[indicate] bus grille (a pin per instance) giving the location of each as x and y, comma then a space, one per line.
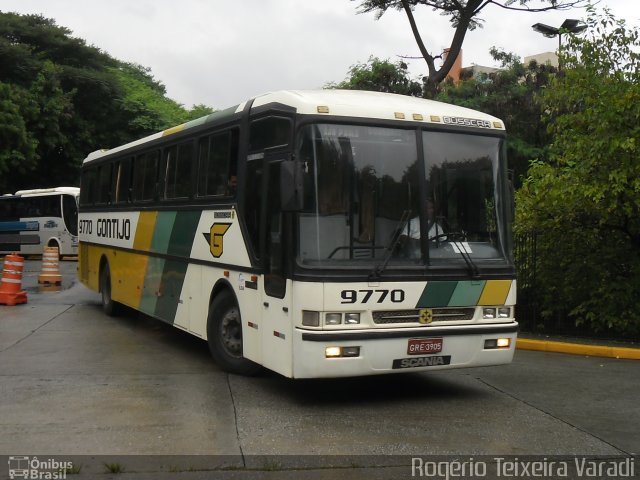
413, 316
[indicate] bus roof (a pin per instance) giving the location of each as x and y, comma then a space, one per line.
341, 103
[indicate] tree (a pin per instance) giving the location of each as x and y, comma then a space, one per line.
585, 203
464, 15
512, 93
18, 151
198, 111
145, 100
380, 76
61, 99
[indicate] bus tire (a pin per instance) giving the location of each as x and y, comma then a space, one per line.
224, 335
54, 243
109, 306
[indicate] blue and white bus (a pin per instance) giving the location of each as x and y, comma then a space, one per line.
45, 217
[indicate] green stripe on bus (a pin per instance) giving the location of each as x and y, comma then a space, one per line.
464, 293
173, 235
467, 293
163, 231
170, 288
184, 231
152, 283
436, 294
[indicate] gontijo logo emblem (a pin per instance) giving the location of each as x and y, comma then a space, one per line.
426, 316
215, 237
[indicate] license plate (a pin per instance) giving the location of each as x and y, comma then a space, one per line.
424, 346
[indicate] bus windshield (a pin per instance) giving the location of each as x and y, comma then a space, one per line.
368, 200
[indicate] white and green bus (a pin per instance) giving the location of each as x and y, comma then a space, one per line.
315, 233
31, 220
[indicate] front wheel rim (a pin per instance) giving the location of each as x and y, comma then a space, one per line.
231, 333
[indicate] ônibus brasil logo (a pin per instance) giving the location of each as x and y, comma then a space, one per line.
34, 468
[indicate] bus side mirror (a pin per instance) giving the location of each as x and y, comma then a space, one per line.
291, 186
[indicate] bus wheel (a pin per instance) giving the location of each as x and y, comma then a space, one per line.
109, 306
224, 335
53, 243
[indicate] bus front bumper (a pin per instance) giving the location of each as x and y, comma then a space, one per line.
323, 354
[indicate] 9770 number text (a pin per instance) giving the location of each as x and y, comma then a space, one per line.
363, 296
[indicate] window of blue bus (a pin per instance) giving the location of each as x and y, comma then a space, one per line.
9, 209
177, 166
70, 213
145, 176
42, 206
217, 164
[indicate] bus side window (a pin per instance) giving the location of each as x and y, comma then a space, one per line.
269, 132
178, 161
103, 192
122, 187
145, 176
217, 164
253, 202
170, 163
88, 186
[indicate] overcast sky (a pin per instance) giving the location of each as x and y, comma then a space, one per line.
220, 53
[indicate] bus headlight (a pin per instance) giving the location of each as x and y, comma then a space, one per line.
333, 319
310, 318
504, 312
494, 343
489, 313
341, 352
351, 318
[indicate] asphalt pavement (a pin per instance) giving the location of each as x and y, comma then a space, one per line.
134, 395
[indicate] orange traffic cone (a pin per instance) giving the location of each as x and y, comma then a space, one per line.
50, 269
11, 292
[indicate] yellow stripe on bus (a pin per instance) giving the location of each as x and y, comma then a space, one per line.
495, 292
131, 269
172, 130
144, 231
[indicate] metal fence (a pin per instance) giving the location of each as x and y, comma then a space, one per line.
530, 308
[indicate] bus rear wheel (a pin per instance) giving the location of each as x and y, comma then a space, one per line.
224, 335
109, 306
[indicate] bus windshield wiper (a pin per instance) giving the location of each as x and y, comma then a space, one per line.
377, 271
462, 250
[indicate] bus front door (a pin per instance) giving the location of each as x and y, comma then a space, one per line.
276, 291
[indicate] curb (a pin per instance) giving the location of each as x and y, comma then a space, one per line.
578, 349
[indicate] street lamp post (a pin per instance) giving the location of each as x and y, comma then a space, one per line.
570, 25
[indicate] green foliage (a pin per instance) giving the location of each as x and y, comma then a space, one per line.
198, 111
513, 95
380, 76
145, 101
18, 146
585, 203
61, 99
